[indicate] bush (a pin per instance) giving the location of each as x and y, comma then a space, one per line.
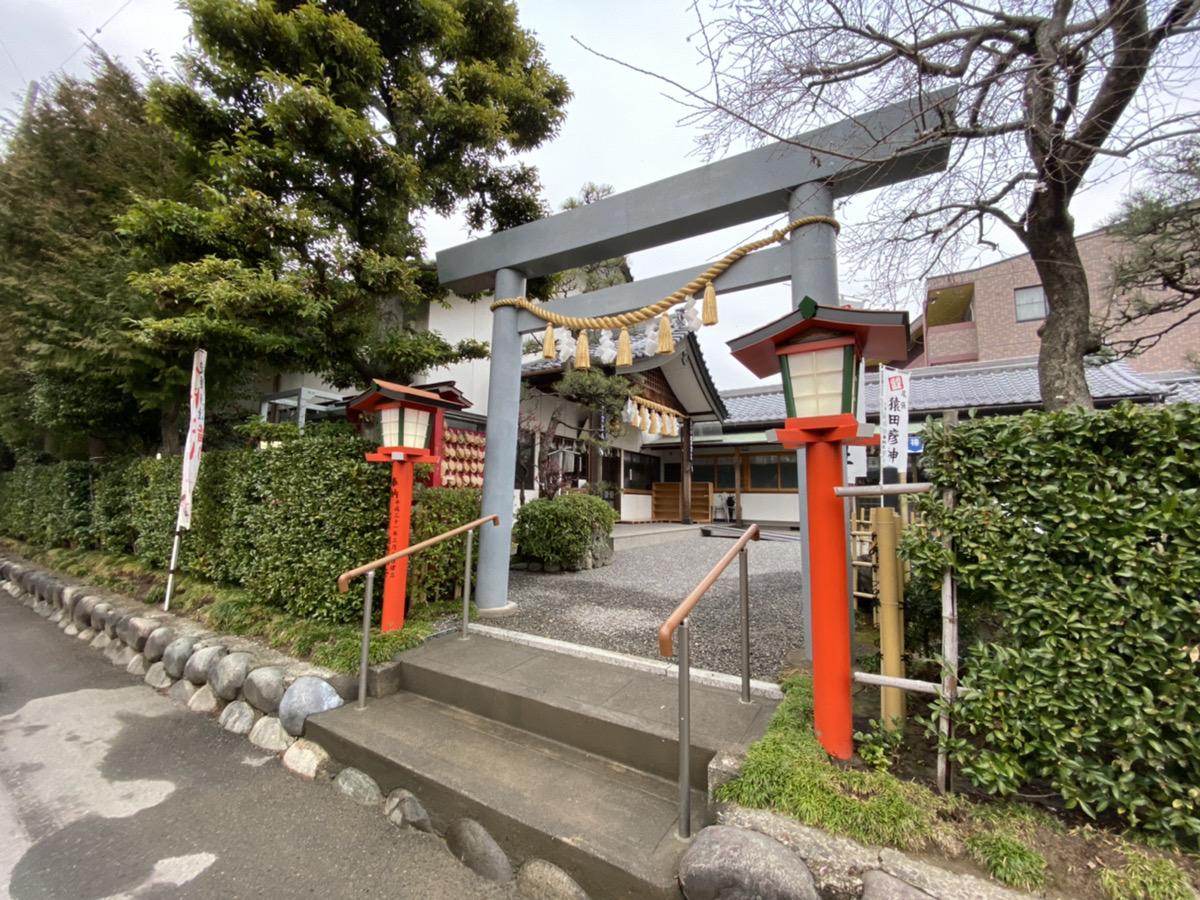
562, 530
437, 573
113, 487
324, 510
1079, 533
155, 508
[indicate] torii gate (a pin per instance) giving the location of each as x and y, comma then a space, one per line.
800, 177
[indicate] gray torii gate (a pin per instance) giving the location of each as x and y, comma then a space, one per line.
801, 177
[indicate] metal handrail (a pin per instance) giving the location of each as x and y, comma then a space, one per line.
369, 588
679, 620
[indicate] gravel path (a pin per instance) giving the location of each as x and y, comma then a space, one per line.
620, 607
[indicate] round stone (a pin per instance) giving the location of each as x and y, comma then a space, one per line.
157, 642
238, 717
403, 809
264, 688
123, 655
175, 657
135, 631
157, 677
99, 615
307, 696
229, 674
196, 670
137, 665
358, 786
724, 863
478, 851
82, 613
267, 734
307, 760
541, 880
87, 635
205, 701
101, 641
182, 691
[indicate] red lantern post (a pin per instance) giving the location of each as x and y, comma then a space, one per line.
410, 422
818, 350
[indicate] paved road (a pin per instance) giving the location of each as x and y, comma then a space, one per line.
109, 790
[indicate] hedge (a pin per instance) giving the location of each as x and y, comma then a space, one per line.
284, 522
561, 530
1078, 534
437, 573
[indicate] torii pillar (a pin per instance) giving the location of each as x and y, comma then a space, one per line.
804, 175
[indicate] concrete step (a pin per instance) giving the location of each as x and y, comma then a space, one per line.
631, 535
619, 713
613, 828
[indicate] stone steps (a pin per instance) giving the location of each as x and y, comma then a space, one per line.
562, 758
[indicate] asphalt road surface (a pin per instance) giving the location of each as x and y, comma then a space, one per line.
109, 790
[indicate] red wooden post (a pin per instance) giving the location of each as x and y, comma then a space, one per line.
439, 437
398, 532
832, 714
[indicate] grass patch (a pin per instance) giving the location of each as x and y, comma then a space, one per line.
234, 610
1146, 878
789, 771
1009, 859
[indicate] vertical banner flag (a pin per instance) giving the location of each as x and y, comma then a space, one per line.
893, 419
195, 438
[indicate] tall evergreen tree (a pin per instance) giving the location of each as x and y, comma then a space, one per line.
329, 130
68, 371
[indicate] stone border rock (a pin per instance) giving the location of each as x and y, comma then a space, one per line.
260, 694
840, 866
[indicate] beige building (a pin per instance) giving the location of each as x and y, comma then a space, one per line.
994, 312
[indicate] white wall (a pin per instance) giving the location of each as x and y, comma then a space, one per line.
771, 508
461, 321
635, 507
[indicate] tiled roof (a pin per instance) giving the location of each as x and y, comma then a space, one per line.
1184, 387
1008, 384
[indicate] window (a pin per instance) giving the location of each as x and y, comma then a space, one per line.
816, 381
771, 472
641, 470
716, 470
1030, 302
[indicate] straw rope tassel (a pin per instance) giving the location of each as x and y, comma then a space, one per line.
624, 350
653, 422
548, 343
583, 356
666, 340
708, 313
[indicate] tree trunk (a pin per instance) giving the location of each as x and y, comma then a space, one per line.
169, 423
97, 447
1066, 334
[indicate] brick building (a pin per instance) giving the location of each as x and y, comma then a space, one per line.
994, 312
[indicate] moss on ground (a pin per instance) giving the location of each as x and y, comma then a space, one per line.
234, 610
788, 771
1145, 877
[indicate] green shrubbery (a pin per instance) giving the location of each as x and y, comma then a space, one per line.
437, 573
562, 530
1077, 534
283, 521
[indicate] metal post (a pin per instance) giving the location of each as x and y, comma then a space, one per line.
805, 556
685, 732
467, 584
365, 659
744, 585
500, 456
949, 647
171, 571
814, 247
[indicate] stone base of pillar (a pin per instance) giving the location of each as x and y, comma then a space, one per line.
499, 612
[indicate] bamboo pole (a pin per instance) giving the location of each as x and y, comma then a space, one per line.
891, 634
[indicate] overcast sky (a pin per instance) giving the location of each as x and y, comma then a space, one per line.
619, 129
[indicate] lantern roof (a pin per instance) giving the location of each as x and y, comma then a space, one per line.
387, 393
880, 334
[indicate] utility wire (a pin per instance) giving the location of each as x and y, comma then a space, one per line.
91, 38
